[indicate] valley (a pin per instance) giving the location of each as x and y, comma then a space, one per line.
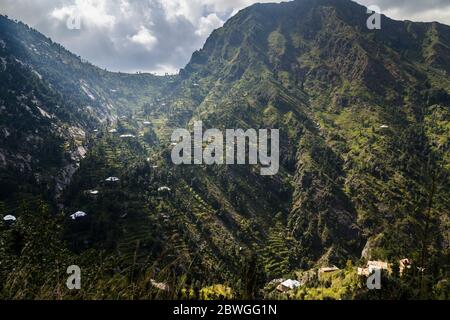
363, 119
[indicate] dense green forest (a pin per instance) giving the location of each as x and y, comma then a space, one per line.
364, 120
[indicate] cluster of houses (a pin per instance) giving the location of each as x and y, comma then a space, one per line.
10, 219
366, 271
371, 266
80, 214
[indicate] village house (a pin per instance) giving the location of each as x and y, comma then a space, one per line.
127, 136
372, 266
403, 265
160, 285
9, 218
377, 265
77, 215
327, 270
288, 285
363, 272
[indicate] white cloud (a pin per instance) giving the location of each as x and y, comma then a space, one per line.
162, 69
208, 24
414, 10
145, 38
91, 13
160, 35
429, 15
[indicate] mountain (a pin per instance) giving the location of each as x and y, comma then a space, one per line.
361, 112
364, 139
50, 98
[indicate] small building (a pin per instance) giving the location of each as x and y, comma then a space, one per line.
9, 218
113, 131
363, 272
164, 189
327, 270
147, 123
127, 136
377, 265
78, 215
112, 179
160, 285
94, 192
403, 265
288, 285
371, 266
384, 127
275, 282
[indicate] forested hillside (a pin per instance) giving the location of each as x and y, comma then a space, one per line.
364, 170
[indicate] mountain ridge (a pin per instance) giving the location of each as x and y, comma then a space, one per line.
363, 118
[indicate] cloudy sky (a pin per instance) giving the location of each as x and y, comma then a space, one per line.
159, 35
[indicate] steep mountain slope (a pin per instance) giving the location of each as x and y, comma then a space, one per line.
50, 98
364, 143
356, 109
364, 136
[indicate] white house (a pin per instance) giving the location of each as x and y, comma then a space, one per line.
9, 218
78, 214
288, 285
112, 179
363, 272
372, 266
377, 265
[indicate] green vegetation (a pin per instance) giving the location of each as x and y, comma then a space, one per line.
364, 155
